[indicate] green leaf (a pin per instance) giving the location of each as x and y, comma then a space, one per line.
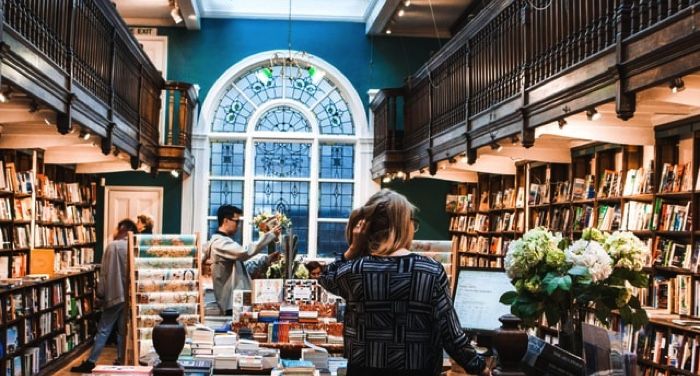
552, 313
578, 270
508, 298
634, 303
565, 282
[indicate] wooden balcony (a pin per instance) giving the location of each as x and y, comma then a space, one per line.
181, 109
77, 59
514, 68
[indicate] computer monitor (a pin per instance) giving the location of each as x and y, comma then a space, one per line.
476, 299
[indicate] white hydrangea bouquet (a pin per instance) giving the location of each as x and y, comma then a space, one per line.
558, 279
265, 221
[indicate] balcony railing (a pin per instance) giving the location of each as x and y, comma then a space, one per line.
80, 58
512, 49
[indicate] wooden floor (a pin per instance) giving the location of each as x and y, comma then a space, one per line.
109, 354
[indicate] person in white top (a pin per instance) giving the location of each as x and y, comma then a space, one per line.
229, 259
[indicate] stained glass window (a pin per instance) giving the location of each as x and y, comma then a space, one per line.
337, 161
288, 197
283, 119
335, 200
233, 113
334, 116
224, 192
261, 84
306, 88
227, 158
279, 169
331, 239
282, 159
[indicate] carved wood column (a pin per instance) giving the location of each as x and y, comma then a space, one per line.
625, 103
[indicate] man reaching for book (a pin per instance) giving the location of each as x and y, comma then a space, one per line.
229, 259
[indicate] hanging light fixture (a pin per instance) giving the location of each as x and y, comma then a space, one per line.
316, 74
175, 173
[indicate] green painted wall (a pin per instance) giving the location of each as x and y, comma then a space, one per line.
172, 199
428, 195
368, 62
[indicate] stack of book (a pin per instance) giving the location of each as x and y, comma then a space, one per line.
297, 368
316, 336
287, 313
296, 336
202, 341
308, 316
317, 356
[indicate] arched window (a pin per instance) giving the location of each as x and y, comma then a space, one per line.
284, 137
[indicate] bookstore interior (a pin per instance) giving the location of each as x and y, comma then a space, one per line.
182, 180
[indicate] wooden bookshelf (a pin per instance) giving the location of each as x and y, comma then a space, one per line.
47, 321
43, 206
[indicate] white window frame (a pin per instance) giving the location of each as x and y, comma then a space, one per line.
363, 186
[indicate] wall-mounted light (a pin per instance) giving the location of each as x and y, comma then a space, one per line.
593, 115
388, 31
407, 3
561, 122
401, 175
386, 179
175, 14
677, 85
401, 12
175, 173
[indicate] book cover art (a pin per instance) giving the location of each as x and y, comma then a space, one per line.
267, 291
165, 240
11, 339
300, 290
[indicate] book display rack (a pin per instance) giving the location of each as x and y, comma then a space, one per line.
164, 273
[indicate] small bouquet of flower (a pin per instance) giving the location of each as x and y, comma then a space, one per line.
265, 221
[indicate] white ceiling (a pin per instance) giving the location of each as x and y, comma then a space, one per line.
320, 10
379, 15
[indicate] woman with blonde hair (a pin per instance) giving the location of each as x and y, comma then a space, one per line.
399, 313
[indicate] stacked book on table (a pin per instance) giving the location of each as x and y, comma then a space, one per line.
297, 368
202, 342
225, 357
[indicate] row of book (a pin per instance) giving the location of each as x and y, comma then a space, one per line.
494, 245
73, 193
13, 181
674, 253
13, 266
672, 294
471, 260
678, 350
472, 223
676, 178
50, 212
460, 203
52, 236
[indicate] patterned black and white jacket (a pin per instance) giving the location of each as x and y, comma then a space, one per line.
399, 316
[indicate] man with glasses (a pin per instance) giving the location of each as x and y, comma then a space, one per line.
229, 258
